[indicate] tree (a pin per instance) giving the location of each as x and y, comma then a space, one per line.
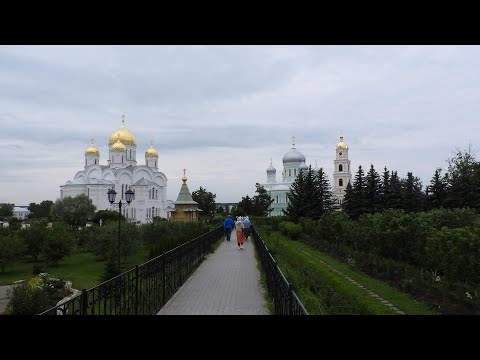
75, 211
437, 191
385, 188
206, 202
261, 201
413, 197
11, 248
305, 197
463, 181
356, 197
107, 215
245, 206
373, 191
325, 203
58, 243
40, 211
34, 239
6, 210
394, 200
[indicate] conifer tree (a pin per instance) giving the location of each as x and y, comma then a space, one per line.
324, 193
373, 201
386, 188
394, 199
437, 191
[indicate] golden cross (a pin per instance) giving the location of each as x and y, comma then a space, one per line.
270, 161
123, 118
151, 142
92, 140
184, 172
293, 142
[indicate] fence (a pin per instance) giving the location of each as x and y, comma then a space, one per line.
280, 290
145, 289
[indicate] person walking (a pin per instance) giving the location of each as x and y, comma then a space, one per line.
228, 226
246, 227
239, 233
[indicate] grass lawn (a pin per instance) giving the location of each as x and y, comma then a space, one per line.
83, 269
323, 291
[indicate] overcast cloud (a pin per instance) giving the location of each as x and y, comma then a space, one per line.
222, 112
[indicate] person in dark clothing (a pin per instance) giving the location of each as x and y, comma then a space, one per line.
228, 225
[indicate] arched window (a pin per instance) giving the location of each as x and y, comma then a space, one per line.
85, 162
340, 182
130, 154
122, 191
156, 194
155, 163
294, 172
289, 172
277, 199
122, 158
340, 167
95, 161
149, 194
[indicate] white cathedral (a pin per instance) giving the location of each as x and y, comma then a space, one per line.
122, 173
293, 164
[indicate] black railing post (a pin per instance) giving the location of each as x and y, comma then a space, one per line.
163, 281
84, 302
136, 290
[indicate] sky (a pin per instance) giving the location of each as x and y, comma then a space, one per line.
222, 112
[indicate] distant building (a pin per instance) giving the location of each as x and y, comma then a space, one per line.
293, 164
21, 212
186, 209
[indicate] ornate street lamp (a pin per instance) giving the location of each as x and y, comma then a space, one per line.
129, 196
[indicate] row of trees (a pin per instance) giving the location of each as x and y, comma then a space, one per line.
459, 187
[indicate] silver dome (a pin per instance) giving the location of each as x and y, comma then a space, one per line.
271, 169
293, 156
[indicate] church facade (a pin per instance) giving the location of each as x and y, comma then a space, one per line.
293, 164
122, 173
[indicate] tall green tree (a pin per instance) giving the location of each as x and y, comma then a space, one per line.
6, 210
356, 201
40, 211
325, 203
438, 190
394, 200
206, 202
11, 248
463, 180
59, 243
75, 211
261, 201
413, 197
305, 197
245, 206
385, 188
34, 239
373, 191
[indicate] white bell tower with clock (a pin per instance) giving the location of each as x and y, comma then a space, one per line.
341, 173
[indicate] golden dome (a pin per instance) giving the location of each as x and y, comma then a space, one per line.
151, 152
92, 150
126, 137
118, 146
341, 144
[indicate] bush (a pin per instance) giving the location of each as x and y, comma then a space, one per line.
36, 295
293, 231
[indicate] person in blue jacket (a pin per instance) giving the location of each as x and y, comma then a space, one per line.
228, 226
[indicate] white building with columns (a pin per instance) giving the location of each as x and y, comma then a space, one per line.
122, 173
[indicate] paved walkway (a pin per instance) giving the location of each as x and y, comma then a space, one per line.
226, 283
3, 298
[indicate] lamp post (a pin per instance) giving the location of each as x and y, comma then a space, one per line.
129, 196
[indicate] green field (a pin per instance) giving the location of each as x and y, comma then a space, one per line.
324, 291
82, 268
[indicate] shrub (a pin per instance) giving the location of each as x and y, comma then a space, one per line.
293, 231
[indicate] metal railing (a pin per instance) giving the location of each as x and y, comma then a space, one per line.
280, 290
145, 289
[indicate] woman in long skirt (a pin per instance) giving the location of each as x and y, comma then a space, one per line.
240, 235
